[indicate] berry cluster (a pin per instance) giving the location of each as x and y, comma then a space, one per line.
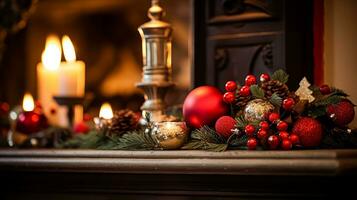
271, 134
244, 91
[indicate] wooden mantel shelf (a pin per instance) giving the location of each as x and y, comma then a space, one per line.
177, 175
307, 162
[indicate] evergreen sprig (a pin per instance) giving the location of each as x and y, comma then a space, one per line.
241, 122
280, 75
134, 140
206, 138
275, 99
257, 92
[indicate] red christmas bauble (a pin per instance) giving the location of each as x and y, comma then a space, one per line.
228, 97
231, 86
224, 126
244, 91
250, 80
81, 127
203, 106
309, 131
252, 143
31, 122
342, 113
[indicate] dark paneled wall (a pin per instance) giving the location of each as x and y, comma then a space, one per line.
235, 37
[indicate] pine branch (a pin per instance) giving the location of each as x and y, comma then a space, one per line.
338, 92
331, 99
257, 91
86, 141
280, 75
202, 145
241, 122
275, 99
135, 140
208, 135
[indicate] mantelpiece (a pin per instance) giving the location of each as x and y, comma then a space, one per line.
91, 174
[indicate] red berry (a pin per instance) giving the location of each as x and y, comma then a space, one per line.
262, 134
264, 125
264, 77
286, 144
273, 142
294, 139
282, 126
81, 127
274, 117
244, 91
250, 80
87, 117
231, 86
249, 130
288, 103
284, 135
325, 89
252, 143
228, 97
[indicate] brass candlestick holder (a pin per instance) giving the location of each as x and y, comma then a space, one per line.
70, 103
156, 49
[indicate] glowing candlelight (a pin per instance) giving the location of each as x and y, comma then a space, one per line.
106, 111
28, 103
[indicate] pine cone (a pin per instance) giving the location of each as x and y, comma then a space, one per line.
242, 101
274, 86
123, 121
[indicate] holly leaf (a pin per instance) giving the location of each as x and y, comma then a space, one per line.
276, 100
257, 91
280, 75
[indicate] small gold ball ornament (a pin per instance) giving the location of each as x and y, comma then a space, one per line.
257, 110
170, 135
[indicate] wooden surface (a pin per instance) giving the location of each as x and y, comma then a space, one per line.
176, 175
311, 162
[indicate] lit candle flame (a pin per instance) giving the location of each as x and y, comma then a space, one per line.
106, 111
68, 49
28, 103
51, 56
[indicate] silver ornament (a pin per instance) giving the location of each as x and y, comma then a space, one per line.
257, 110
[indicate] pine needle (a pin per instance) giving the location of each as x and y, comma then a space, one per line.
257, 92
280, 75
275, 99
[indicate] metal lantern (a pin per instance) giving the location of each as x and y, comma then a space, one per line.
156, 49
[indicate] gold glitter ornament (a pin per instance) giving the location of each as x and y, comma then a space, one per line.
170, 135
304, 92
258, 110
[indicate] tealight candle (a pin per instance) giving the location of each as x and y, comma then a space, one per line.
30, 121
105, 116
